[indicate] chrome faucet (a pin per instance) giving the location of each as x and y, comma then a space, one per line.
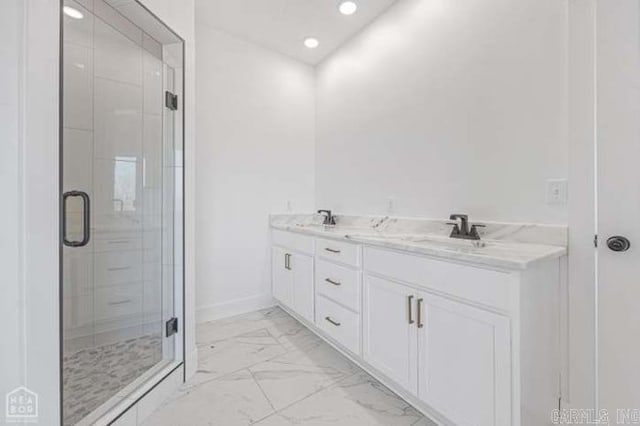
329, 219
461, 230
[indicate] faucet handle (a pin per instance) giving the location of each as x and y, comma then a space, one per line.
456, 228
473, 232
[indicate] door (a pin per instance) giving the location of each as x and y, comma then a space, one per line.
282, 280
302, 286
121, 207
464, 362
390, 332
618, 194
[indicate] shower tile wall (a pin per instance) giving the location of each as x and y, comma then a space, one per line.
113, 150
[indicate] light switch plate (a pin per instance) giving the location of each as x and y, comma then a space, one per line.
556, 191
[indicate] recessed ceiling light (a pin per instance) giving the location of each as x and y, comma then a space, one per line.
311, 42
348, 7
72, 13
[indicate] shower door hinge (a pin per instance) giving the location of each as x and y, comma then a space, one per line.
172, 326
171, 100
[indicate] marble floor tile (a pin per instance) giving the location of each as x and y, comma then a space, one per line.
293, 376
221, 357
359, 400
266, 367
232, 400
274, 312
293, 335
230, 327
424, 422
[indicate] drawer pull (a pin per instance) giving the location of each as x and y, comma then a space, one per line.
119, 242
330, 281
337, 324
119, 268
420, 324
409, 308
330, 250
121, 302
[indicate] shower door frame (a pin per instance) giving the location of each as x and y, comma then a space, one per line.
182, 306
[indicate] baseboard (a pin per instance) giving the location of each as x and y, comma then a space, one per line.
233, 307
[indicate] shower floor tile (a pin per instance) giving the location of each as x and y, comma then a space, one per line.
91, 376
265, 368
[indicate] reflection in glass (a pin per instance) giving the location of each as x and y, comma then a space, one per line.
124, 184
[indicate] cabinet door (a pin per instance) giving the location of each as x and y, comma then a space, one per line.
464, 362
302, 270
390, 333
281, 277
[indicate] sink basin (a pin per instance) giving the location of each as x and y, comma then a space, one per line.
443, 242
449, 242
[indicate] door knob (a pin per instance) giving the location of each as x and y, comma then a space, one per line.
618, 243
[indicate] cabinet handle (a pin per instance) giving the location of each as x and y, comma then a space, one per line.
409, 308
337, 324
287, 260
330, 281
420, 324
331, 250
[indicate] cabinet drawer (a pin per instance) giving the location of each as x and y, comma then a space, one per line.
338, 251
340, 283
339, 323
293, 241
479, 285
118, 267
118, 241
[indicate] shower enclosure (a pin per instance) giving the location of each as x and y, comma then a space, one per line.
121, 203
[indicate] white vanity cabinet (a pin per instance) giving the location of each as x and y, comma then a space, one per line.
451, 355
478, 346
469, 345
338, 292
292, 273
464, 361
390, 334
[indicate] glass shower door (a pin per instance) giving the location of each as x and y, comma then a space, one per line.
121, 206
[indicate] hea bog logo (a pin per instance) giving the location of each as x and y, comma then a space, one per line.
22, 405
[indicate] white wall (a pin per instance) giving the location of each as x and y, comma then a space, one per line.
255, 112
29, 183
11, 306
447, 106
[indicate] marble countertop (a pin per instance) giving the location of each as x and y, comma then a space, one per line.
502, 246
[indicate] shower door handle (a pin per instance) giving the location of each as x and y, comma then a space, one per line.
86, 217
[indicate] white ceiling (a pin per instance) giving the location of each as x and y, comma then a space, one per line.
282, 25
